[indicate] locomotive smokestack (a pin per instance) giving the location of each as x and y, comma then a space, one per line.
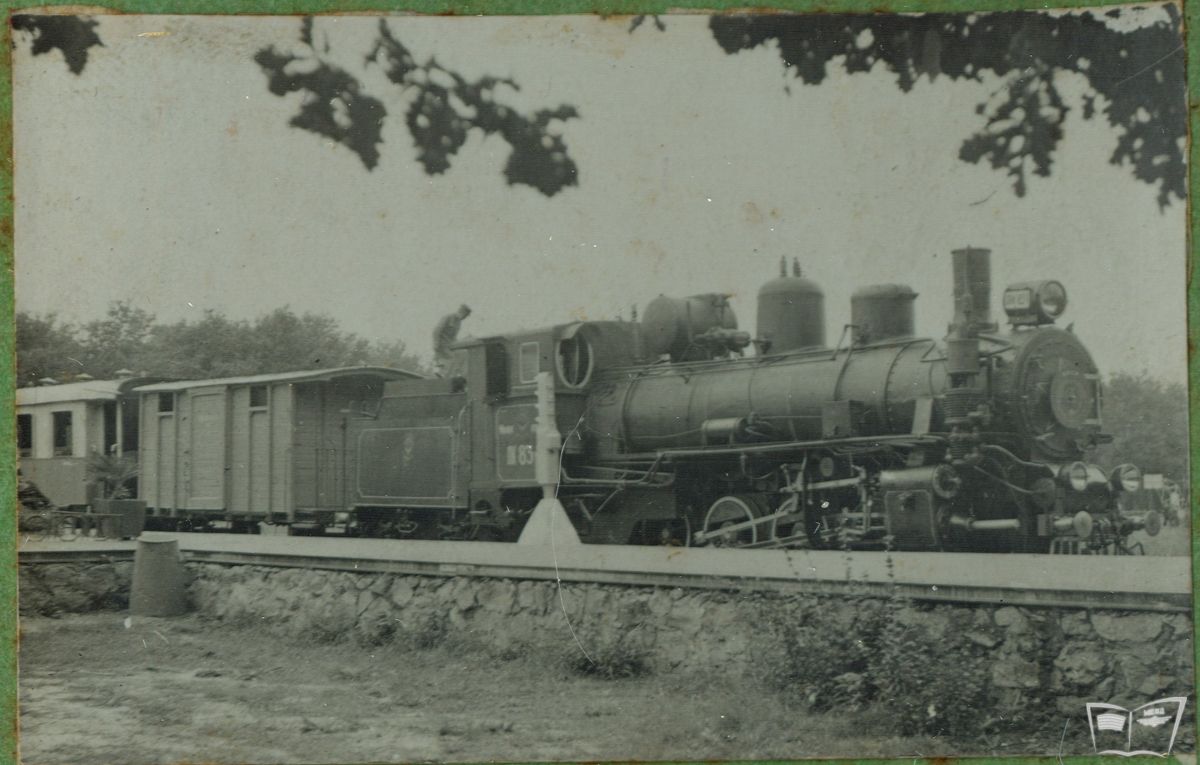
962, 402
972, 289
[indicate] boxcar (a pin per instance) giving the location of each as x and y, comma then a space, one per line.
60, 426
241, 451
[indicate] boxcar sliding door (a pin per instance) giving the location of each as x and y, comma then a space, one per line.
206, 489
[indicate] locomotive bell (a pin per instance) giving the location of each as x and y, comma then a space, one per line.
791, 312
882, 312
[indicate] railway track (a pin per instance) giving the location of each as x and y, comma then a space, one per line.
1141, 583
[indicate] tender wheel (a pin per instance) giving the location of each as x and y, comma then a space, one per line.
730, 511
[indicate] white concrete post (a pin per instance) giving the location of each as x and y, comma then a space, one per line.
548, 441
548, 523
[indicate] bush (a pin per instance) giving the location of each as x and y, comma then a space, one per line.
937, 687
327, 625
826, 655
430, 630
376, 631
611, 654
874, 655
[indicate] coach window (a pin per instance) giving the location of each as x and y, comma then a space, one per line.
166, 403
258, 397
530, 362
63, 440
25, 435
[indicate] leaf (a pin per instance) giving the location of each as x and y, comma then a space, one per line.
539, 158
334, 105
73, 35
436, 128
446, 107
400, 62
1022, 130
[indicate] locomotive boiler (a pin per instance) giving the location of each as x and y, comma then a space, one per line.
684, 429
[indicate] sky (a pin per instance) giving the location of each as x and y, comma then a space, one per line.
167, 175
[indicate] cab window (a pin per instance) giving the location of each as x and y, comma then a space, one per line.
530, 362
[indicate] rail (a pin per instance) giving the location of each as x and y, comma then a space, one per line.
1135, 583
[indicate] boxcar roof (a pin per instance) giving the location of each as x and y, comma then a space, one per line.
89, 390
311, 375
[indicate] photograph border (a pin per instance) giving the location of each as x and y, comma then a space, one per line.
8, 488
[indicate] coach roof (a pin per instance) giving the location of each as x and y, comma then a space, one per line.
312, 375
89, 390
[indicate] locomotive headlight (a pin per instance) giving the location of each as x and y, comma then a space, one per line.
1075, 475
1052, 299
1035, 302
1126, 478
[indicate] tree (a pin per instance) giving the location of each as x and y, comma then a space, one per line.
1136, 77
395, 354
284, 341
1148, 420
444, 108
213, 346
46, 348
118, 341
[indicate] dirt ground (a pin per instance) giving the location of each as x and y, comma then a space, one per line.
171, 690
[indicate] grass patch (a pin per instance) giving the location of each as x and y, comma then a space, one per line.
609, 654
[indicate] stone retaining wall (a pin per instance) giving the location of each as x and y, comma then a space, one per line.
1068, 656
49, 589
1074, 655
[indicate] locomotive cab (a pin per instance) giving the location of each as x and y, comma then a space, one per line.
454, 458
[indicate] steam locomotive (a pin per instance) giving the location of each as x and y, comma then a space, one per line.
668, 430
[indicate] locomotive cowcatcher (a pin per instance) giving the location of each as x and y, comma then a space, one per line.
682, 429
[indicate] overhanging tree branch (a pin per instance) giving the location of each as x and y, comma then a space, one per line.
1139, 73
445, 107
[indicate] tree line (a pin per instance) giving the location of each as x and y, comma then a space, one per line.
1148, 420
130, 338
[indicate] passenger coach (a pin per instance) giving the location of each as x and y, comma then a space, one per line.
60, 425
